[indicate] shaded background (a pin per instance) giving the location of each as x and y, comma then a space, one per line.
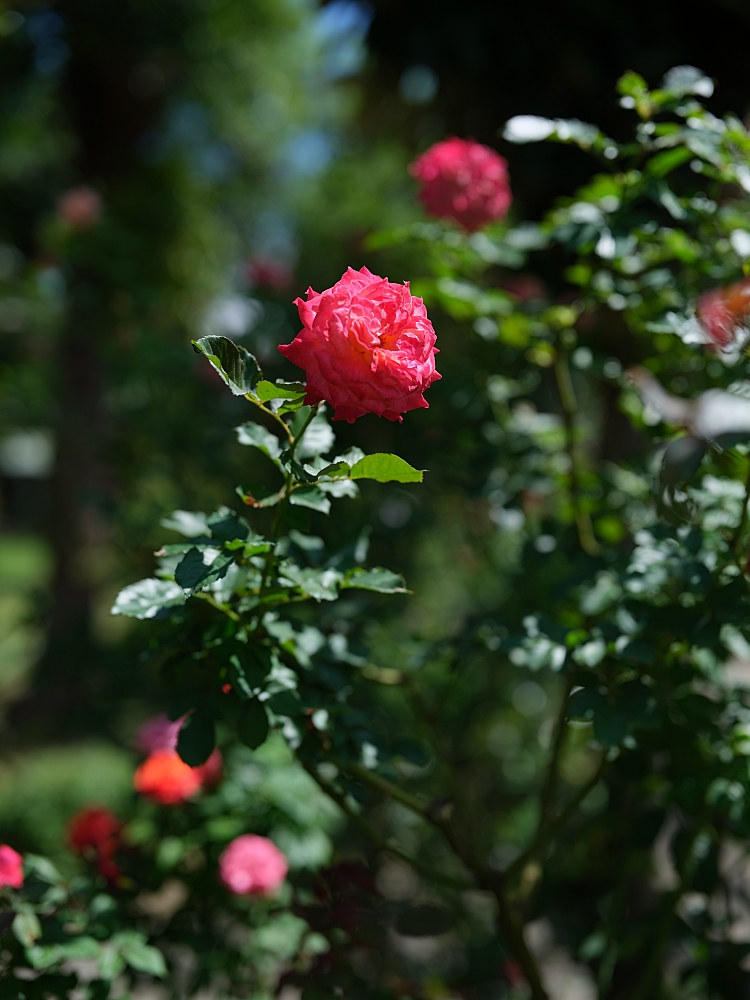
241, 151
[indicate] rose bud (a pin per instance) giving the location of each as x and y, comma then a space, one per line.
463, 180
367, 347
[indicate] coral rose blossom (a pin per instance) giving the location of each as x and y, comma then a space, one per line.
463, 180
166, 778
367, 347
11, 867
252, 865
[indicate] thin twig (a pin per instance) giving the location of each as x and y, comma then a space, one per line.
509, 926
270, 413
545, 835
380, 842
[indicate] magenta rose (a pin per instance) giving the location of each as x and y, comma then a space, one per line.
463, 180
11, 867
367, 347
252, 865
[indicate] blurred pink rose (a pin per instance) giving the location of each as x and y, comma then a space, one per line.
80, 207
11, 867
158, 733
463, 180
252, 865
367, 347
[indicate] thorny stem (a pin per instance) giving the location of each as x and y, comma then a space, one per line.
509, 926
569, 404
301, 432
290, 483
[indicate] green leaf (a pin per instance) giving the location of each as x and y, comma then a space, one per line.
147, 597
26, 928
145, 958
249, 666
384, 468
384, 581
44, 956
81, 947
42, 868
236, 365
279, 390
111, 962
252, 726
318, 439
320, 584
197, 739
259, 437
226, 526
193, 572
191, 523
285, 703
311, 497
665, 162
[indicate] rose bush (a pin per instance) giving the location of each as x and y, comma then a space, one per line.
367, 346
463, 180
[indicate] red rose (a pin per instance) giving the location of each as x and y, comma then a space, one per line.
463, 180
166, 778
367, 347
94, 833
94, 828
723, 312
11, 867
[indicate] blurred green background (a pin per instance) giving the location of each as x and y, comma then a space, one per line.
183, 167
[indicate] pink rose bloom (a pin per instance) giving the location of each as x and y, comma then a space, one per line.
11, 867
463, 180
252, 865
158, 733
367, 347
80, 207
